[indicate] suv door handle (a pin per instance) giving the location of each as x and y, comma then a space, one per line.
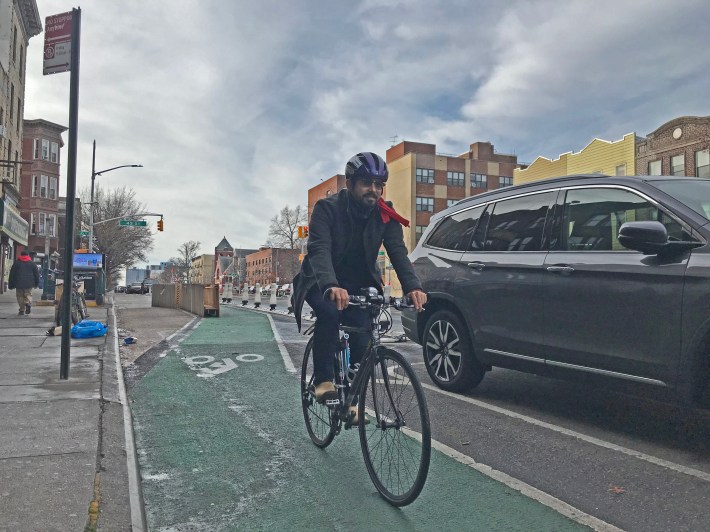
476, 265
564, 270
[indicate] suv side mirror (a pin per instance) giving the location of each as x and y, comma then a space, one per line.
651, 238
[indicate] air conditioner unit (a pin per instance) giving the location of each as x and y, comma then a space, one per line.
3, 131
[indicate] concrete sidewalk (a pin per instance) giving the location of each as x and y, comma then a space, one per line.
62, 442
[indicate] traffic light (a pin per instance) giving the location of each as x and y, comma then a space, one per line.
302, 231
160, 224
305, 231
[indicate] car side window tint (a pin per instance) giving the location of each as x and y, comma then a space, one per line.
592, 218
517, 224
455, 231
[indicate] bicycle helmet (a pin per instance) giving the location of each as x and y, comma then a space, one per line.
367, 165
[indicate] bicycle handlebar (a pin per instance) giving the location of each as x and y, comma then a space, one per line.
379, 301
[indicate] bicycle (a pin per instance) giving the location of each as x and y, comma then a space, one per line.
79, 310
396, 442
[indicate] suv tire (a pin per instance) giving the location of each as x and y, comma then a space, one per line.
448, 353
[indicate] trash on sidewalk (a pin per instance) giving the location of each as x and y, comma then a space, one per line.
130, 340
88, 329
55, 331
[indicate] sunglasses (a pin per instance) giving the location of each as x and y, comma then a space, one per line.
367, 183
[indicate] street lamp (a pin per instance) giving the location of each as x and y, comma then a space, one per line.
94, 173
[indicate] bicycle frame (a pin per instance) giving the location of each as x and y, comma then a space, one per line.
349, 392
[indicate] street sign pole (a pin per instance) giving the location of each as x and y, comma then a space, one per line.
71, 191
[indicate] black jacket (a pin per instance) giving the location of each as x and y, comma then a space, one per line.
23, 274
329, 235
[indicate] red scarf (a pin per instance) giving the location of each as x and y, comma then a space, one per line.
387, 212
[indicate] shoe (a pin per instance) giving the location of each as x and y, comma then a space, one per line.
355, 419
21, 313
325, 390
28, 309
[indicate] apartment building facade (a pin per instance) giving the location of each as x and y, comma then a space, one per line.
272, 265
330, 186
202, 270
40, 182
19, 22
679, 147
423, 182
598, 157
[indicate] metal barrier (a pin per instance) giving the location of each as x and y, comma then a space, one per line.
199, 299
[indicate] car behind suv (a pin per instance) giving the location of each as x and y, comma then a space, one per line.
581, 276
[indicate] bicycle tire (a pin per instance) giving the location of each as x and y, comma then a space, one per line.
318, 417
396, 443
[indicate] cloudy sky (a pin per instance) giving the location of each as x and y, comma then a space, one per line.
235, 109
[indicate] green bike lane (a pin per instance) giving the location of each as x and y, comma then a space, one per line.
225, 448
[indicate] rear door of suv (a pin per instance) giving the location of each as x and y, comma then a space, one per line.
500, 281
608, 309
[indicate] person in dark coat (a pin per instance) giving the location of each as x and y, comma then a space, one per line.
346, 232
24, 276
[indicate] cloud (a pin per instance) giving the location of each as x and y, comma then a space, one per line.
236, 109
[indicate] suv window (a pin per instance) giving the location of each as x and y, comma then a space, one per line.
517, 224
455, 231
592, 218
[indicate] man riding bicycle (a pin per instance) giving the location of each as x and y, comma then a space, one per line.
346, 232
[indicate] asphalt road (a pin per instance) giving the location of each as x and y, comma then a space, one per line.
630, 461
634, 462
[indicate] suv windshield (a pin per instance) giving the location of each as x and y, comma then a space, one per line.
695, 193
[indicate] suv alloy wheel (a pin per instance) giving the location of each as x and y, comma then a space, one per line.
448, 353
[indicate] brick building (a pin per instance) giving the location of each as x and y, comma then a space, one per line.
19, 22
40, 184
327, 188
272, 265
423, 182
678, 147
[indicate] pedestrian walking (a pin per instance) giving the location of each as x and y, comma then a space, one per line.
24, 276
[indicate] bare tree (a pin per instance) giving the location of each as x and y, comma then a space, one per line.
283, 233
123, 246
183, 262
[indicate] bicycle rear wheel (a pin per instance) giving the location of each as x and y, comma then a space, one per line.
318, 417
396, 443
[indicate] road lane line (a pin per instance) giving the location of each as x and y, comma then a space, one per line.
540, 496
135, 496
282, 348
568, 432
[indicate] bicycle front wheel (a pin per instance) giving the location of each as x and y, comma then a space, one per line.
319, 418
396, 443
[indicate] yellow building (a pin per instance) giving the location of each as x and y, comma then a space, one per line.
599, 156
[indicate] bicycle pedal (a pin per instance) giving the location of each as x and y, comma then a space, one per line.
332, 402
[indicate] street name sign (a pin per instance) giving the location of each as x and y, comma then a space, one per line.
83, 233
57, 43
133, 223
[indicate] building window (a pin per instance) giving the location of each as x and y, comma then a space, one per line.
425, 204
479, 181
45, 149
454, 179
450, 202
678, 164
504, 181
35, 148
12, 99
54, 152
35, 183
702, 163
425, 175
19, 114
51, 225
53, 188
419, 231
654, 168
621, 169
14, 44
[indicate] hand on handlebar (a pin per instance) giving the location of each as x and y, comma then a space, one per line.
418, 299
339, 296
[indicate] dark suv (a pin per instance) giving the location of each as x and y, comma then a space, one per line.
577, 276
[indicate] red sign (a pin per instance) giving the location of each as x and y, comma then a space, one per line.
57, 43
